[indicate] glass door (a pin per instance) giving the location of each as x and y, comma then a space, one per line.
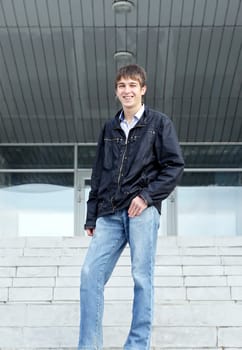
81, 196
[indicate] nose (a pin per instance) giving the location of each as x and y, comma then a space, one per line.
127, 88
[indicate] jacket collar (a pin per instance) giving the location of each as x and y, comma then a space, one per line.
141, 122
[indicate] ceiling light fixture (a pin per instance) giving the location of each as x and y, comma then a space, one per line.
123, 56
122, 6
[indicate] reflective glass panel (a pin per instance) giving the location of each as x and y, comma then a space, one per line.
36, 204
86, 156
212, 208
213, 156
36, 157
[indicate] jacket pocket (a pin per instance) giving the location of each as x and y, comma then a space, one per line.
109, 145
149, 144
108, 158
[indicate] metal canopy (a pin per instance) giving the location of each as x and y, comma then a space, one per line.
57, 67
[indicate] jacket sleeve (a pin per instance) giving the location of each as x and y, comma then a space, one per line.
170, 164
95, 180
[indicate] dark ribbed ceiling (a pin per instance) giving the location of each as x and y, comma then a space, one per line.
57, 67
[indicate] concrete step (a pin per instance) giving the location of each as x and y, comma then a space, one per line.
118, 314
198, 294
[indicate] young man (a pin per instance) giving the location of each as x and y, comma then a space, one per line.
138, 164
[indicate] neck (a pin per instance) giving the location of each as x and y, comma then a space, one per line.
130, 112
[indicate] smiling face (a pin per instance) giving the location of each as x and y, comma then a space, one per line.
129, 92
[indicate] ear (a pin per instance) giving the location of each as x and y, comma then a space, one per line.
143, 90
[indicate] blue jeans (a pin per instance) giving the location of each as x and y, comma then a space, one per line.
112, 234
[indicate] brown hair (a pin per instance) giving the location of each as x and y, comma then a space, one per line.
131, 71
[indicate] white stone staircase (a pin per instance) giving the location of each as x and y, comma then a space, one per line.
198, 294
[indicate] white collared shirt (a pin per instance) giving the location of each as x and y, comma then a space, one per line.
128, 126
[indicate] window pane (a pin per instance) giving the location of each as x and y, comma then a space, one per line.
212, 156
36, 157
36, 204
211, 179
214, 209
86, 156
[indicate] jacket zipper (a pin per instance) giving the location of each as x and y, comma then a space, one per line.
122, 162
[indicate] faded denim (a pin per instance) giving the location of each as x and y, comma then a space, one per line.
112, 234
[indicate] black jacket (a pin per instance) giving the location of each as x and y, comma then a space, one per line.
149, 163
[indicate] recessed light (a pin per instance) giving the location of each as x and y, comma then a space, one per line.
121, 6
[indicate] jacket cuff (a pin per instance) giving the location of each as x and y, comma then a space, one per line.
146, 197
89, 225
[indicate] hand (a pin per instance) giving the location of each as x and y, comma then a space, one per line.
90, 231
136, 207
